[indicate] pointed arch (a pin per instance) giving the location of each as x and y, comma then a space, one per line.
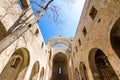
42, 74
115, 37
60, 67
18, 63
35, 71
100, 66
83, 71
77, 77
60, 40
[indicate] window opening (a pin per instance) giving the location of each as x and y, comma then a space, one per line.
93, 12
84, 31
60, 70
15, 62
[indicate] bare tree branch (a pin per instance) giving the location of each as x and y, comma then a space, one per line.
45, 8
37, 4
55, 14
19, 21
23, 24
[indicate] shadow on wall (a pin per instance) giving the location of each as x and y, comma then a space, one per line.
3, 32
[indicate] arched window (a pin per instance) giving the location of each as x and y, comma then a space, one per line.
115, 37
42, 74
18, 63
83, 71
35, 71
15, 63
77, 77
100, 66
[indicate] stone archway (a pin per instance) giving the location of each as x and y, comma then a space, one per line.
60, 68
77, 77
3, 32
59, 40
83, 71
18, 63
115, 37
35, 71
100, 66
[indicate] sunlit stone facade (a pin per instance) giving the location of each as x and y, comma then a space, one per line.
92, 54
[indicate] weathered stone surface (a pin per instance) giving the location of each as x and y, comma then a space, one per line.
96, 43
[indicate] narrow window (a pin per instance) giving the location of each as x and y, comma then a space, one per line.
60, 70
93, 13
23, 4
50, 54
84, 31
74, 54
42, 45
15, 62
79, 42
76, 49
36, 32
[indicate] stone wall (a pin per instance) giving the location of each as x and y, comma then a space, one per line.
31, 41
94, 32
95, 45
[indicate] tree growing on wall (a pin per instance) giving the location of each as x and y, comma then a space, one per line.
23, 23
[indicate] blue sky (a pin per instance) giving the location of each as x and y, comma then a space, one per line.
69, 13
